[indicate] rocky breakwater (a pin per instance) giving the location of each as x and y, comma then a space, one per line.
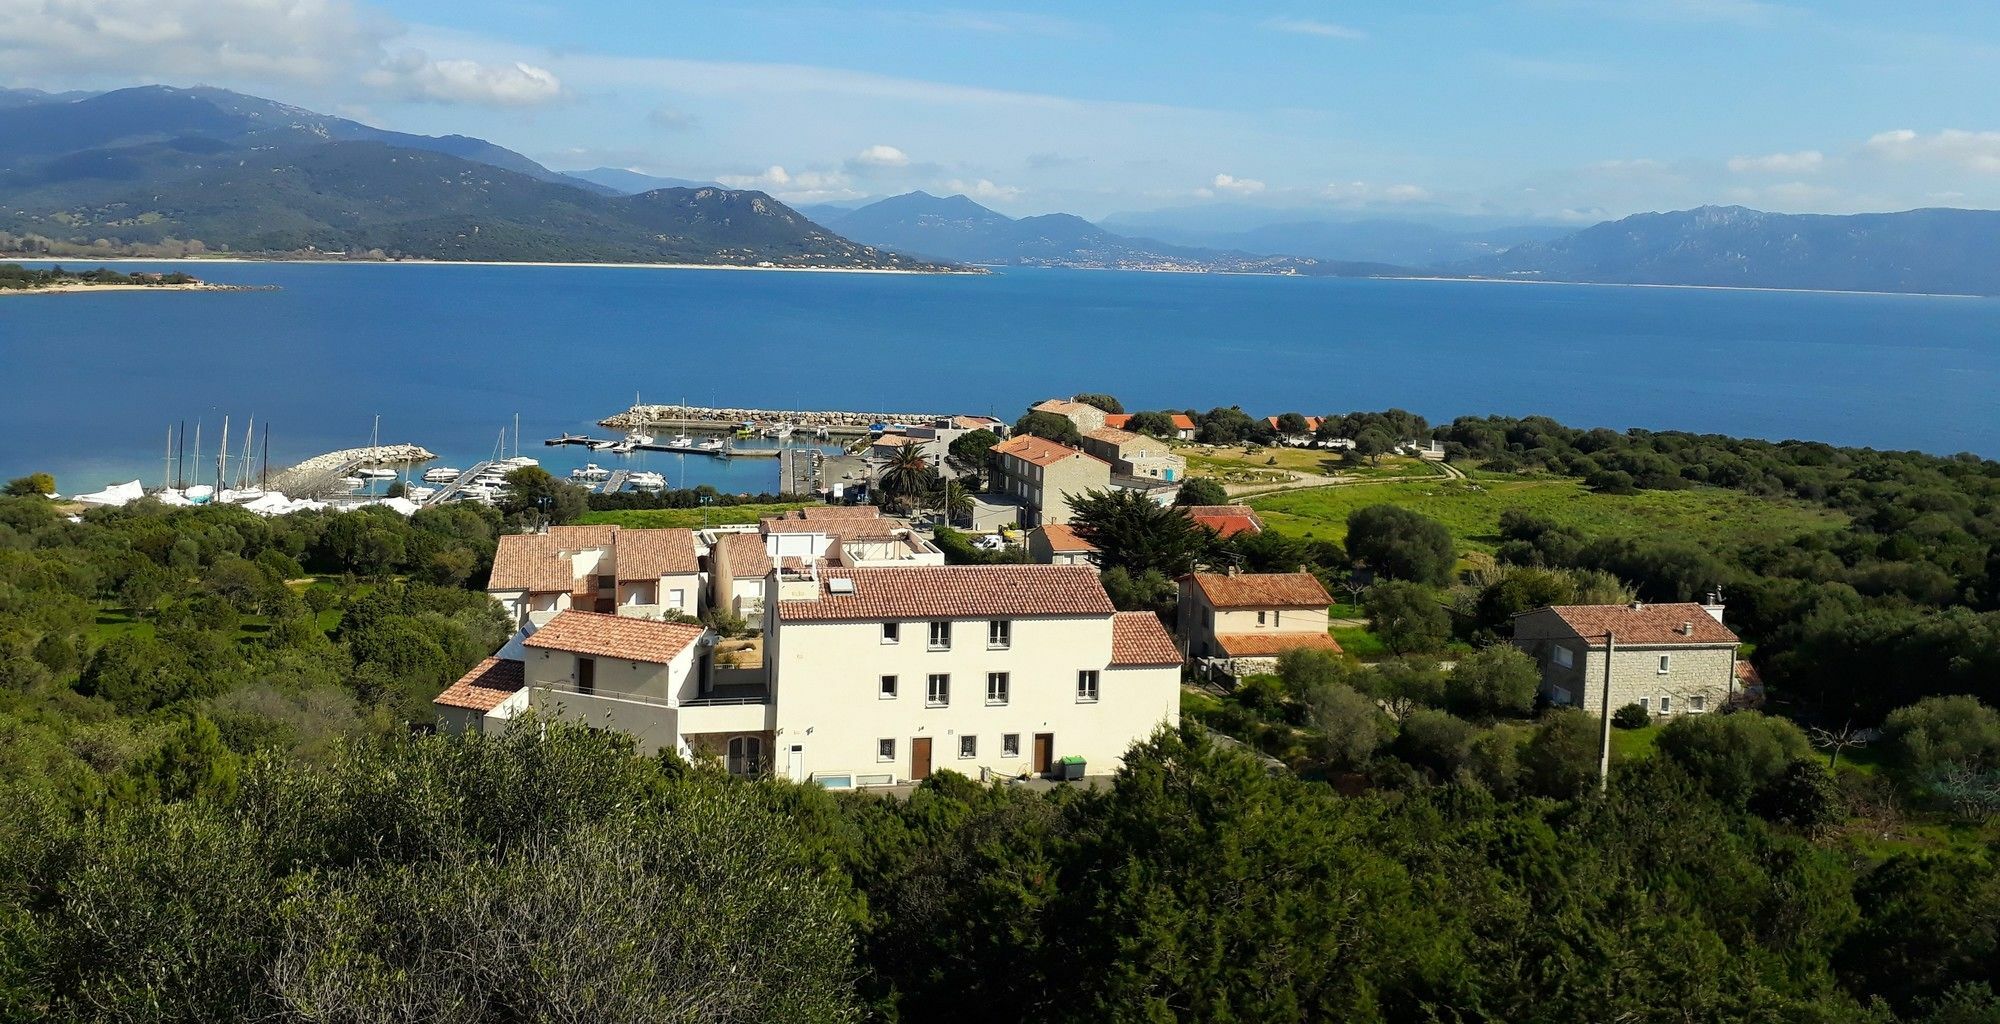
646, 415
318, 472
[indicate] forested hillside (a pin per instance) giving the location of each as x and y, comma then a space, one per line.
213, 805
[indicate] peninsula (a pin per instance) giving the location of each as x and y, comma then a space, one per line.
16, 279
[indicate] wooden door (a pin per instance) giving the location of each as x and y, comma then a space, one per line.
920, 758
1045, 751
586, 675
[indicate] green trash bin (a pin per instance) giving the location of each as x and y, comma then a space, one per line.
1070, 768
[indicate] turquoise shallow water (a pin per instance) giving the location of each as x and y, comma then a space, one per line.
448, 354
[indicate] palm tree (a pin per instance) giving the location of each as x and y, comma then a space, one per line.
956, 502
906, 473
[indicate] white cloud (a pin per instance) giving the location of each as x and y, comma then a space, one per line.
1312, 27
1805, 161
1238, 186
1368, 192
790, 186
1979, 151
413, 75
257, 41
882, 156
982, 189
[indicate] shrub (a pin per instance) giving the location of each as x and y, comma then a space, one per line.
1499, 680
1940, 737
1632, 716
1805, 796
1560, 759
1732, 756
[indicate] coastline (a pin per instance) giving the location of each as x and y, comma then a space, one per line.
74, 289
1697, 287
38, 258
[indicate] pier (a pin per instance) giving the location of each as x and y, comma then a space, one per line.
695, 417
319, 476
452, 490
594, 442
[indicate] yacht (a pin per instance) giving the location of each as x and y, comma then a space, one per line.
415, 493
598, 446
646, 480
440, 475
517, 462
710, 444
348, 483
590, 471
375, 473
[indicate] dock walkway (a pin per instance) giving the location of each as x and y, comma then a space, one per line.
450, 491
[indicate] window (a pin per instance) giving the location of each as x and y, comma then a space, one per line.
938, 693
1664, 659
746, 756
891, 632
1563, 657
968, 746
940, 636
999, 634
1260, 617
1645, 703
607, 582
1277, 617
1086, 686
1010, 745
677, 597
1666, 705
996, 687
1697, 703
888, 687
885, 750
586, 675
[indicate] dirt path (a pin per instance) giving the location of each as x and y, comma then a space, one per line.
1310, 481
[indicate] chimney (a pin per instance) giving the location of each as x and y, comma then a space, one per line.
1687, 629
1638, 606
1713, 606
1233, 570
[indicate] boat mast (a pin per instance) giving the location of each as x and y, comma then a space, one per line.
517, 435
197, 451
243, 464
167, 468
222, 457
180, 458
265, 483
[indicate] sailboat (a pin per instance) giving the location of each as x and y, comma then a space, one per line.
375, 472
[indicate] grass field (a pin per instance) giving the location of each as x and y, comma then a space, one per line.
1472, 510
687, 518
1225, 461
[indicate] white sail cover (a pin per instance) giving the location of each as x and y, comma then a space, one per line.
114, 495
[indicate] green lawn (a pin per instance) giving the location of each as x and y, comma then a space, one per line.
1471, 510
688, 518
1634, 744
1359, 642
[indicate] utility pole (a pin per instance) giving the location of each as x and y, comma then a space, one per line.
1604, 720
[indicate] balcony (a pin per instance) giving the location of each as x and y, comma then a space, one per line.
729, 708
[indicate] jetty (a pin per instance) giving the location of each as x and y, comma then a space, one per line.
320, 475
452, 491
696, 417
605, 443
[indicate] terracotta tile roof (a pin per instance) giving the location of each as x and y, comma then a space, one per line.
1263, 590
1226, 520
574, 538
1268, 645
1218, 510
817, 512
895, 441
651, 554
1113, 435
615, 636
954, 592
1117, 419
1040, 451
975, 422
1645, 624
1182, 421
484, 688
1064, 540
1137, 638
1062, 406
748, 558
1748, 675
530, 562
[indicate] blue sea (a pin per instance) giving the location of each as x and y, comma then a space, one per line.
448, 354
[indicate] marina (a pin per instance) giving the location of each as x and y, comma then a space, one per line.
717, 447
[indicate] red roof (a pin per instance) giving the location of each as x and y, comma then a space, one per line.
1138, 638
953, 592
1265, 645
1040, 451
1227, 520
1649, 624
531, 562
1062, 539
1117, 420
615, 636
1182, 421
748, 558
539, 563
484, 688
651, 554
1262, 590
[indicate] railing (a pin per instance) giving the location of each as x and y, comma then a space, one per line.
617, 695
719, 702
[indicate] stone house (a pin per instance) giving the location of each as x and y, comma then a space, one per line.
1239, 623
1670, 659
1135, 455
1045, 476
631, 572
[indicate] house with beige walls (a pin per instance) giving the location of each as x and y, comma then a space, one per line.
1239, 623
1046, 476
1059, 545
1135, 455
844, 535
1086, 417
872, 676
1671, 659
610, 569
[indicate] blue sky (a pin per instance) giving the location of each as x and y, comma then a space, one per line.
1535, 109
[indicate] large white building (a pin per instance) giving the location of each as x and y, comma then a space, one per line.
874, 676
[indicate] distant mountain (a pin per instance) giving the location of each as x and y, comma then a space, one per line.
1937, 250
630, 183
1407, 242
956, 228
159, 171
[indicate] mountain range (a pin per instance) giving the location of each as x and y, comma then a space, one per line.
957, 229
162, 171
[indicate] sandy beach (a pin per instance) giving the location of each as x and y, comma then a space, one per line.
70, 289
107, 260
